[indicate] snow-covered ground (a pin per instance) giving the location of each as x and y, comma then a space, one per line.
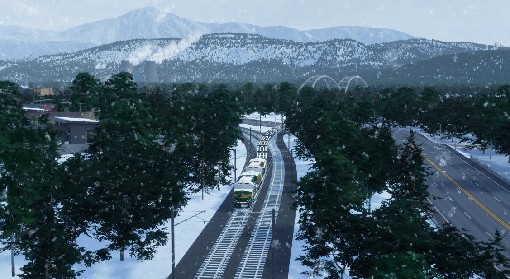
302, 167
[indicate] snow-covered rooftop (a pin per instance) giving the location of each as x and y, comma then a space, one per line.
75, 119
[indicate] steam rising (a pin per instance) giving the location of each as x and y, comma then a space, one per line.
158, 54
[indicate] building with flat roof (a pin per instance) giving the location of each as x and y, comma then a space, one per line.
75, 130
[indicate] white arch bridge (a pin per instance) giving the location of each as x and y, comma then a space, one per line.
342, 84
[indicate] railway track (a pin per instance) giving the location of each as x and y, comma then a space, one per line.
255, 254
217, 260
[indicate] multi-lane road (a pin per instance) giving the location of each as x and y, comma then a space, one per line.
463, 193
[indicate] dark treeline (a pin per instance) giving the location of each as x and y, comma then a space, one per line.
477, 115
481, 118
156, 144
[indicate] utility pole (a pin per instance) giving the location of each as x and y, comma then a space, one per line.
249, 143
173, 242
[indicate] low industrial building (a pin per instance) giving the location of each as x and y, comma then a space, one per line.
75, 130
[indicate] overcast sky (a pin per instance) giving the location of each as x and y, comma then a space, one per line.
483, 21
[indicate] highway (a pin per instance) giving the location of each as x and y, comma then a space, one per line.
464, 194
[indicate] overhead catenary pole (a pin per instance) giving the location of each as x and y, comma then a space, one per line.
260, 123
272, 241
292, 166
288, 142
291, 160
173, 241
13, 270
202, 167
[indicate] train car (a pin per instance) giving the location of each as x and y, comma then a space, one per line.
248, 184
260, 161
255, 166
244, 191
246, 187
255, 176
262, 149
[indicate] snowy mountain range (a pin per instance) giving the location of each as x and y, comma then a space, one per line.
248, 57
182, 50
150, 23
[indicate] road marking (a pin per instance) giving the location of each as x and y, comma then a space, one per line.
470, 196
467, 215
437, 210
465, 161
496, 199
489, 234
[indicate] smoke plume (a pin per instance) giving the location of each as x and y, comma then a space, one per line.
158, 54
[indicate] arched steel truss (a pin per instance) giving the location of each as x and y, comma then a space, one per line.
343, 84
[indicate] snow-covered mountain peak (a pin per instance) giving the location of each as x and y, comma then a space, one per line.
152, 23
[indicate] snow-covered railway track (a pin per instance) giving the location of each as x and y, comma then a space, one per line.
255, 254
217, 260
